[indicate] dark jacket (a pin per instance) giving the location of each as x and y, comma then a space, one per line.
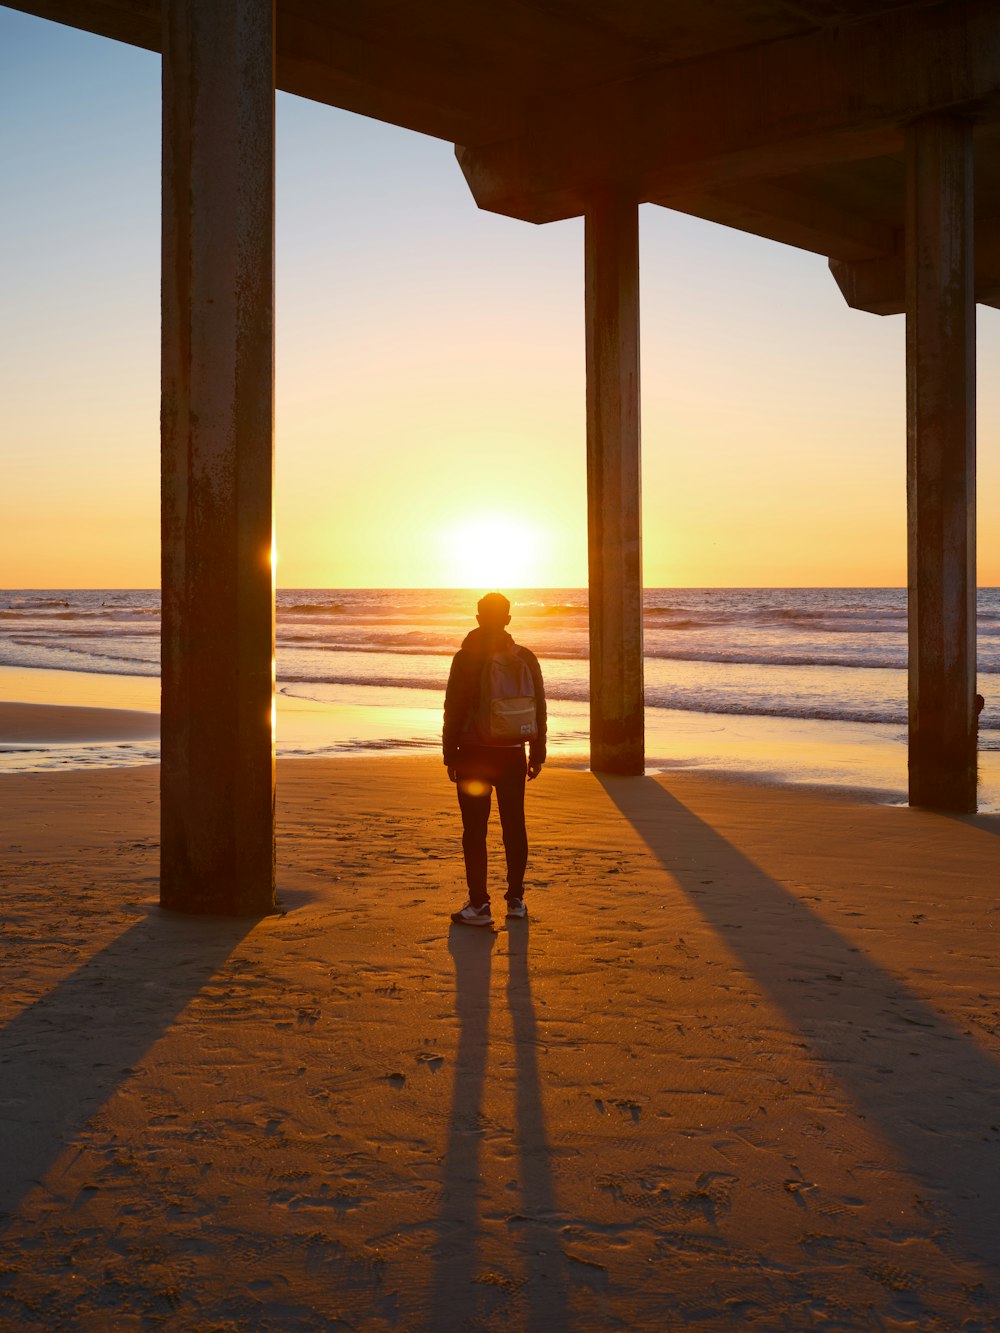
462, 696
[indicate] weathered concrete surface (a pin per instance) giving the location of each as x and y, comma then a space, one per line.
878, 285
940, 415
217, 786
472, 71
781, 109
614, 509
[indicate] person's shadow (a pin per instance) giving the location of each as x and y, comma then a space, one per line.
455, 1295
926, 1086
537, 1242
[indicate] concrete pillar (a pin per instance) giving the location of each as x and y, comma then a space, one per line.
217, 768
941, 464
614, 509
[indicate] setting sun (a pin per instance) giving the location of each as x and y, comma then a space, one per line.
493, 551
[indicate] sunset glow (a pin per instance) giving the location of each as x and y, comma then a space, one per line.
425, 348
494, 551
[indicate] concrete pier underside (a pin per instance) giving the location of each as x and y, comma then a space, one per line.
867, 131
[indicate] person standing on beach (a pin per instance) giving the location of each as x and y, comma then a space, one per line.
494, 705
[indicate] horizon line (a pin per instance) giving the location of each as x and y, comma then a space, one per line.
554, 587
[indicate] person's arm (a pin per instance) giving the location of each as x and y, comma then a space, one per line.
455, 710
537, 747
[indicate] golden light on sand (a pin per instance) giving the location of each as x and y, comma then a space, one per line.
495, 551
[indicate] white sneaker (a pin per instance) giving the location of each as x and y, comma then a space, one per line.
516, 908
473, 916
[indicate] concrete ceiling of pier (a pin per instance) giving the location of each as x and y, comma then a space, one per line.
780, 117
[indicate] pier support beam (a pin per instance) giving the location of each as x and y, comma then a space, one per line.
614, 509
941, 415
217, 768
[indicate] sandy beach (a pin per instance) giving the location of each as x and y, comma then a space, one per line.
739, 1067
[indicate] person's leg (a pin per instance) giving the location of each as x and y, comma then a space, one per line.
510, 801
474, 801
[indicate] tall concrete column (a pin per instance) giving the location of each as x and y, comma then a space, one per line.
217, 767
614, 509
941, 463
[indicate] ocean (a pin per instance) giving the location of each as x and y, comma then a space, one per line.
755, 669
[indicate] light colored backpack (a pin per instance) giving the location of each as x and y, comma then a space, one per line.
507, 710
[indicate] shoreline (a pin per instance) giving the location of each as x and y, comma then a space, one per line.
86, 720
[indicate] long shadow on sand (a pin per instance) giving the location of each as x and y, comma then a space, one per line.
537, 1242
457, 1300
63, 1056
453, 1296
929, 1090
986, 823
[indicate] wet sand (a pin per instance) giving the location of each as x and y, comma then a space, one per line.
739, 1068
54, 723
866, 760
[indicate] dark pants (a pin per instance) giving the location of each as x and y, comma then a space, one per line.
482, 768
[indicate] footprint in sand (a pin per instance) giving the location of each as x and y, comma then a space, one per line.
585, 1272
625, 1106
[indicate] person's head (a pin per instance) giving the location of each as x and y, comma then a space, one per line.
493, 611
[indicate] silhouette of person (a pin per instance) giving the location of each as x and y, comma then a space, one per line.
478, 765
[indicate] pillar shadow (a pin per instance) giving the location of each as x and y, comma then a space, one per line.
986, 823
453, 1291
536, 1238
64, 1055
929, 1089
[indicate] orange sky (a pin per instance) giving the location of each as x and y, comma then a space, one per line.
430, 367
